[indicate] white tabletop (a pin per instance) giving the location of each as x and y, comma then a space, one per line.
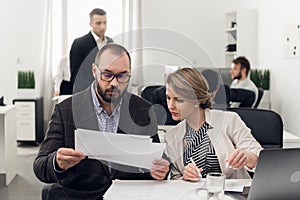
167, 189
60, 98
289, 137
5, 109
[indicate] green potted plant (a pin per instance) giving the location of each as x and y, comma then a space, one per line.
265, 80
261, 78
26, 80
26, 84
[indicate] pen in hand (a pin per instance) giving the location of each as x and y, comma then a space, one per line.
198, 170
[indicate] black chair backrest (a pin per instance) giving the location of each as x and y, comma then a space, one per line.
160, 107
266, 125
260, 94
147, 92
223, 95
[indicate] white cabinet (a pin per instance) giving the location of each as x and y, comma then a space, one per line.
8, 144
25, 121
29, 119
241, 36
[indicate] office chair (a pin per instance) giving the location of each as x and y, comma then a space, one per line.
266, 126
161, 110
259, 97
45, 190
156, 94
147, 92
245, 97
225, 95
222, 98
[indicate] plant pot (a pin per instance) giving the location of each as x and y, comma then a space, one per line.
265, 102
26, 93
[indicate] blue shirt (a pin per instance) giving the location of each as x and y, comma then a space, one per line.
106, 123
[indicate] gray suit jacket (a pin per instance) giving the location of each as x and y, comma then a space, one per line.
90, 178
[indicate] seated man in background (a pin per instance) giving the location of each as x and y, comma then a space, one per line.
104, 106
221, 94
240, 69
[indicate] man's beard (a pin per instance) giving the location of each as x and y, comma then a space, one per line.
109, 98
239, 76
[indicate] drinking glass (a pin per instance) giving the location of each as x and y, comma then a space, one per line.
215, 183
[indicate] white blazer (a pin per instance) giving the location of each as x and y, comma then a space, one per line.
228, 133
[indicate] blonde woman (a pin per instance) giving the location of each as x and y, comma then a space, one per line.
217, 141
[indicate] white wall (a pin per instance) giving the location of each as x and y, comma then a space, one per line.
21, 25
285, 72
201, 23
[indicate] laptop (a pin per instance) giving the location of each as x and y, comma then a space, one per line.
277, 176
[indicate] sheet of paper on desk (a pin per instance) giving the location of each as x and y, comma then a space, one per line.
147, 189
133, 150
130, 190
152, 189
236, 185
231, 185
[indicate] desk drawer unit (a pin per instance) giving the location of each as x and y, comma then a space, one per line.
29, 116
25, 121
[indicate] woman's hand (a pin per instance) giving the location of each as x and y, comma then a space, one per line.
190, 172
237, 159
240, 158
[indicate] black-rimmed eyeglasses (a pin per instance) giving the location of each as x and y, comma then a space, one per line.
108, 76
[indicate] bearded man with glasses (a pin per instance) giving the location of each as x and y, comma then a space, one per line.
104, 106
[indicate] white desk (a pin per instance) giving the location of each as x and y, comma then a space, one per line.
60, 98
167, 189
8, 143
290, 140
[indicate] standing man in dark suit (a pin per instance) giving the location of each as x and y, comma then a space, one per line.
105, 106
84, 50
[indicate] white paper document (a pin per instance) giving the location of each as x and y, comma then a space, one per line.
231, 185
237, 185
157, 190
132, 150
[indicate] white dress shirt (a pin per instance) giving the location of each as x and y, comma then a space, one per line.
63, 72
246, 84
100, 43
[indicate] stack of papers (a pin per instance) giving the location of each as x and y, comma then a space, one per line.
132, 150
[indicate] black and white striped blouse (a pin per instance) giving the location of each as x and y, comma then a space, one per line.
198, 146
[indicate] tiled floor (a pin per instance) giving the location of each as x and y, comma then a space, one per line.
25, 186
